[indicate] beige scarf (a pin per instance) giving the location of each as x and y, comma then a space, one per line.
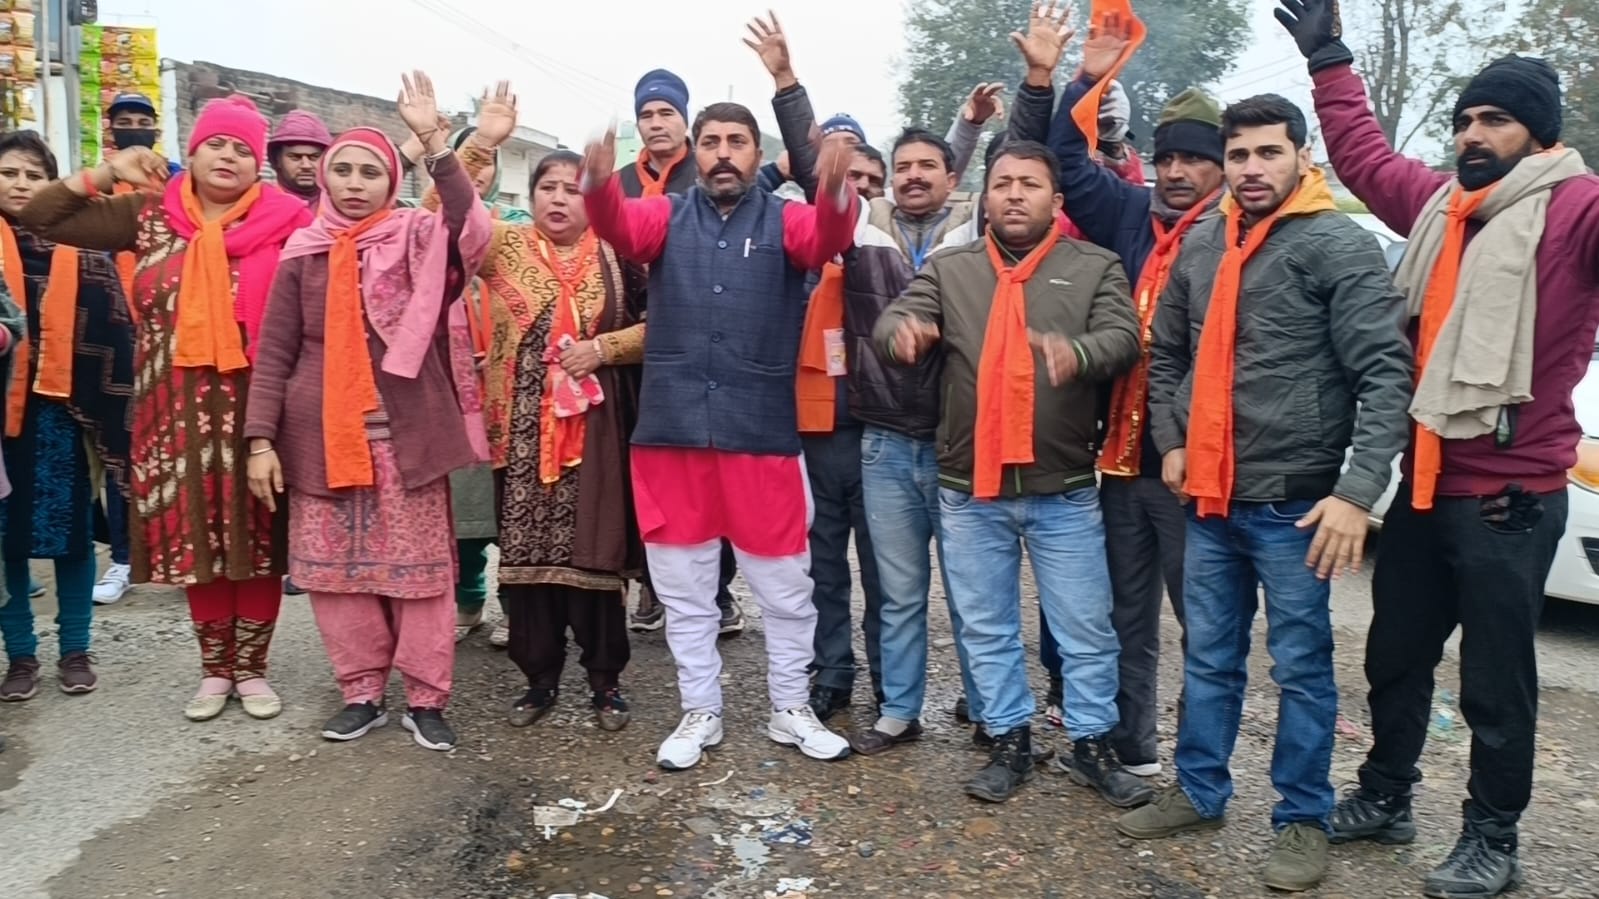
1482, 360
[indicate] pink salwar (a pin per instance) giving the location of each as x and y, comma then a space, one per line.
367, 636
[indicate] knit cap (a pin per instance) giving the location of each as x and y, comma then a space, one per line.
1524, 86
301, 127
660, 84
843, 123
234, 116
1190, 123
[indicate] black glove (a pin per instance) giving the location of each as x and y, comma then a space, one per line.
1317, 29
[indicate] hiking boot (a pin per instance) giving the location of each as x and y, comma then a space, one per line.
534, 704
1094, 764
1010, 764
1299, 860
732, 615
875, 742
1370, 815
802, 728
610, 710
429, 729
650, 614
1169, 814
982, 742
828, 701
963, 712
697, 732
22, 680
354, 721
113, 585
1481, 864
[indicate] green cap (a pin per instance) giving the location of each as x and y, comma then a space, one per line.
1192, 105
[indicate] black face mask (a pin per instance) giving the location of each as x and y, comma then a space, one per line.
135, 137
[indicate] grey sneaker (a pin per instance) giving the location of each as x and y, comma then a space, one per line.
732, 615
1299, 860
1477, 867
1170, 814
650, 614
1370, 815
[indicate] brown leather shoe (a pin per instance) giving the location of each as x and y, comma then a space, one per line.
22, 680
874, 741
77, 673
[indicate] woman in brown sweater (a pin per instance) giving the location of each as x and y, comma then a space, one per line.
356, 413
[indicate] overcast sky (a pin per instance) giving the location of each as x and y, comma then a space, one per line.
574, 63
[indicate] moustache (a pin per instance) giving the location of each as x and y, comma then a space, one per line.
724, 168
917, 182
1179, 185
1477, 153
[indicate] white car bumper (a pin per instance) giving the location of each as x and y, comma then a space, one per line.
1572, 576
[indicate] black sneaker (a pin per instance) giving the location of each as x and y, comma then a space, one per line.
963, 712
1010, 764
650, 614
982, 742
828, 701
429, 728
1094, 764
1484, 863
534, 704
1369, 815
290, 588
354, 721
732, 615
610, 710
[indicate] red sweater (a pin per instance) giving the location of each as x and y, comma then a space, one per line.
1395, 188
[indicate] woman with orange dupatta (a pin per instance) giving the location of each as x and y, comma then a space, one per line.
357, 414
560, 393
207, 244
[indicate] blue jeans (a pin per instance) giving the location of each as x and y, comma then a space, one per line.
1065, 539
1257, 544
74, 604
899, 476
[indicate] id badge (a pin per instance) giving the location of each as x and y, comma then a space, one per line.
833, 338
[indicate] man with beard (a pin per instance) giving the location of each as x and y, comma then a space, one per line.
868, 173
716, 452
295, 152
1503, 259
1277, 346
1145, 227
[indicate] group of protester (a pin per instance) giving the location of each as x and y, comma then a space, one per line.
669, 374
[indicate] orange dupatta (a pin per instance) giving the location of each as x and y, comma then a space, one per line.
1124, 450
1436, 302
349, 389
1211, 464
207, 335
816, 392
1086, 112
653, 186
58, 316
561, 439
1006, 377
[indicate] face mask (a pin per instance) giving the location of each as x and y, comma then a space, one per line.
135, 137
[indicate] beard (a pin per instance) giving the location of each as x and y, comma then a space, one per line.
1491, 169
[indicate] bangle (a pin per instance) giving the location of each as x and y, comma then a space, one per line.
90, 189
263, 451
599, 350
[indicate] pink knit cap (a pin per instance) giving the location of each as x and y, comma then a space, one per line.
301, 127
236, 117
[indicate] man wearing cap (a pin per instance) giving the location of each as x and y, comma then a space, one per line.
660, 106
295, 152
135, 123
1502, 274
1144, 523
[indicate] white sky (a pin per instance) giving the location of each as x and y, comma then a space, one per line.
574, 63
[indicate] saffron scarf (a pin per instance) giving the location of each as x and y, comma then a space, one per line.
1124, 443
1086, 112
1006, 377
349, 389
1211, 461
58, 313
656, 186
561, 437
815, 391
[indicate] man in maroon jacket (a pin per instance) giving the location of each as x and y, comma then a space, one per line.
1502, 271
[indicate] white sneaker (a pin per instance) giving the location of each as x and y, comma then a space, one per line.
113, 585
1149, 769
500, 637
698, 732
800, 727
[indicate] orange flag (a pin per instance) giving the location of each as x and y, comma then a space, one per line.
1086, 112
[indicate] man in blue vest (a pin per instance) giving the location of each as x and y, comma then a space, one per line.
716, 453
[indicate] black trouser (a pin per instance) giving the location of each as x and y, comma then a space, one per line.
833, 464
1436, 570
1145, 530
539, 615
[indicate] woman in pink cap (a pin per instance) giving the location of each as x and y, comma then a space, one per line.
207, 242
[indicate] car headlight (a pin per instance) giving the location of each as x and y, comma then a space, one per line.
1585, 473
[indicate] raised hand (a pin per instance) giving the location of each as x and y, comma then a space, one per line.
599, 159
1106, 42
419, 108
984, 103
912, 338
141, 167
496, 116
1049, 30
771, 45
1313, 23
832, 169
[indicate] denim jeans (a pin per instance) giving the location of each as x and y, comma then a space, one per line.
1065, 539
899, 477
1226, 560
833, 462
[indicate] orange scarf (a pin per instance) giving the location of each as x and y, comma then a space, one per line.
1124, 449
653, 186
1210, 427
58, 317
1435, 305
1086, 112
561, 439
349, 388
815, 392
1006, 378
207, 333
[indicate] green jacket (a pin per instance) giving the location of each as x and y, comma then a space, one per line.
1079, 291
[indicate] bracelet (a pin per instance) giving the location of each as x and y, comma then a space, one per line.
90, 189
263, 451
599, 350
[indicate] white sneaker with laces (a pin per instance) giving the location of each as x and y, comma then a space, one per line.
113, 585
800, 727
699, 731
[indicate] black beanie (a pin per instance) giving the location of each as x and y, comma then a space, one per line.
1524, 86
